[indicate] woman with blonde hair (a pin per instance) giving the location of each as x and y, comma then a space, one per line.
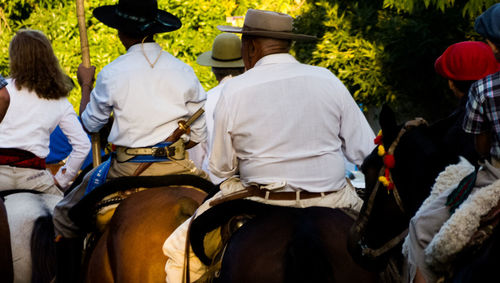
38, 90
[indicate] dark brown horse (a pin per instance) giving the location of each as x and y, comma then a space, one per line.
130, 249
284, 244
420, 155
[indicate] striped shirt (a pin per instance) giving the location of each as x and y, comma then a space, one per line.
483, 110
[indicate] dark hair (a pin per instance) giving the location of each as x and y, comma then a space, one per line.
34, 65
463, 86
137, 36
495, 42
221, 73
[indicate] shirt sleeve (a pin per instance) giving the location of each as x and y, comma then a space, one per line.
97, 112
195, 100
80, 143
3, 82
223, 159
474, 122
356, 134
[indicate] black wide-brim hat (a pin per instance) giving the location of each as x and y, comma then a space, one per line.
137, 17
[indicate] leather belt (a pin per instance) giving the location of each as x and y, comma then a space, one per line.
255, 191
156, 151
173, 151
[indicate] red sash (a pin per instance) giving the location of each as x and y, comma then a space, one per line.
21, 158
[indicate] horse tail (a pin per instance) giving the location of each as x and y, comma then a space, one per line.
306, 257
43, 252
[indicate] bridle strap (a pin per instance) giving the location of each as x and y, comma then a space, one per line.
366, 251
397, 198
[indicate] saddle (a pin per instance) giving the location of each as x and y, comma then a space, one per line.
229, 216
104, 199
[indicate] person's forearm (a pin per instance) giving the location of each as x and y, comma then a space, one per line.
483, 144
86, 90
4, 102
86, 81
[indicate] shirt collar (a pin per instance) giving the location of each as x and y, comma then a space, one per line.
276, 58
147, 46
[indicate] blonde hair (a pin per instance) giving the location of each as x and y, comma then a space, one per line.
33, 65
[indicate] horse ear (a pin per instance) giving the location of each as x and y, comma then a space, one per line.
387, 121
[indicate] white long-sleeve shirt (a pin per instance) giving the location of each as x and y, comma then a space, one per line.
283, 121
146, 102
201, 153
30, 120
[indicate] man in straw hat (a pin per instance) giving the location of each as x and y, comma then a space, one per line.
284, 127
226, 62
149, 91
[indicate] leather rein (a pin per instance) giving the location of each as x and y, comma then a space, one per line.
361, 222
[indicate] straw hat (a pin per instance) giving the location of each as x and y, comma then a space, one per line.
225, 53
267, 24
137, 18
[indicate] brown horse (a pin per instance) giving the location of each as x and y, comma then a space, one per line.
130, 249
284, 244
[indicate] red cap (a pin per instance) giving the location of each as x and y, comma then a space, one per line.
467, 61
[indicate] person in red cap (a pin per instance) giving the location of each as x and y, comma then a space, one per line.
462, 64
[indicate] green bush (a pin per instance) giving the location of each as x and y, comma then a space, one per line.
57, 19
383, 50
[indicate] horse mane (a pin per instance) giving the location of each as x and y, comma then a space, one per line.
43, 252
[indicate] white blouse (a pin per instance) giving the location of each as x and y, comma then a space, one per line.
30, 120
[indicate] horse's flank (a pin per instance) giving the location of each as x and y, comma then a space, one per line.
293, 245
130, 248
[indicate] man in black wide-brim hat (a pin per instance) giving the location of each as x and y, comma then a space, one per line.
149, 91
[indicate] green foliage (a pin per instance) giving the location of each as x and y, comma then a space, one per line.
471, 8
346, 51
385, 55
57, 19
383, 50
